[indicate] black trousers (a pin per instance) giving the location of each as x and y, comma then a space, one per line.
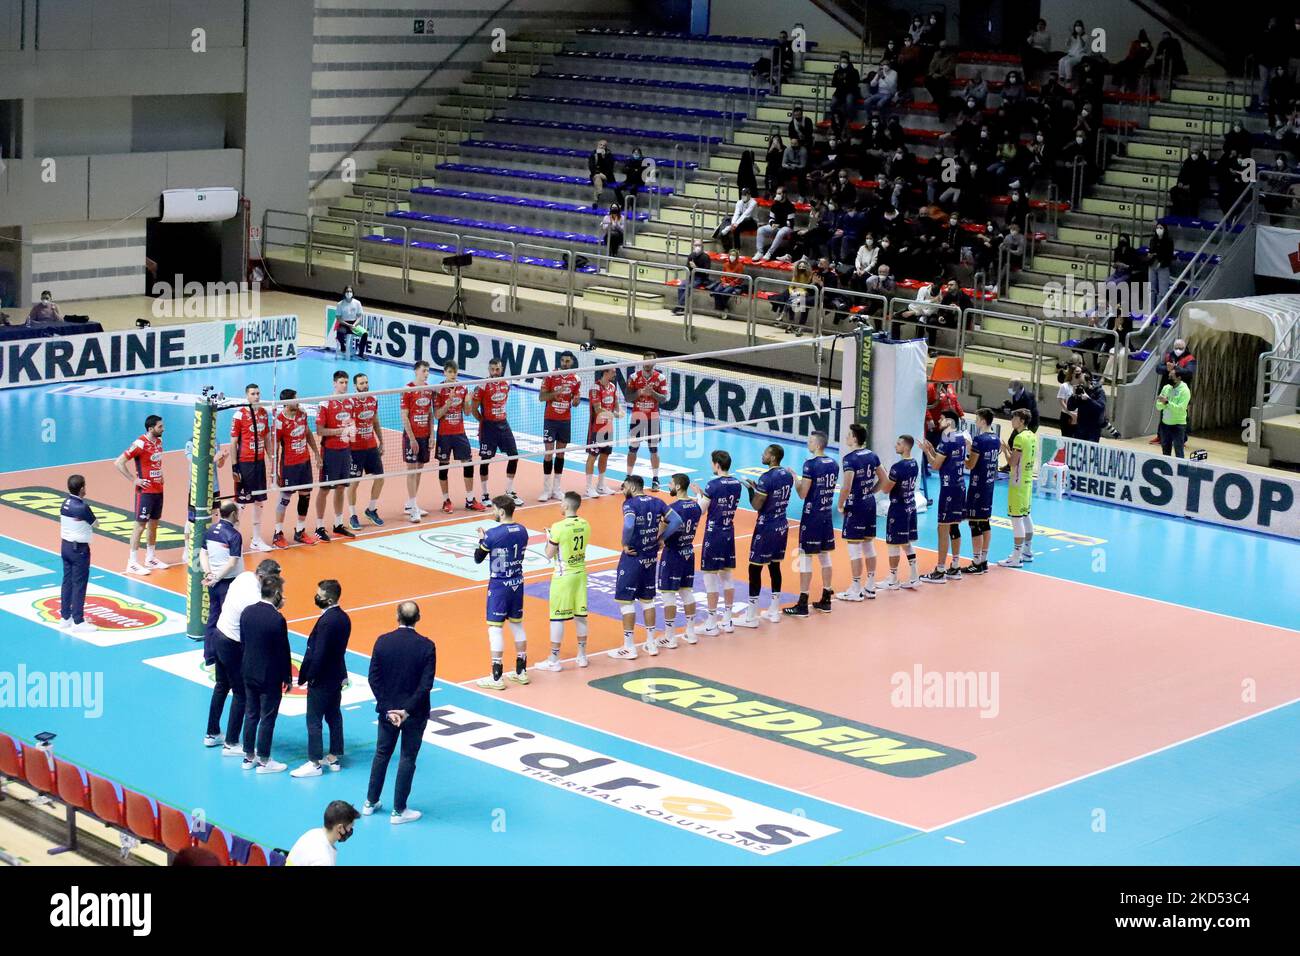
259, 718
216, 598
76, 573
411, 732
230, 681
324, 704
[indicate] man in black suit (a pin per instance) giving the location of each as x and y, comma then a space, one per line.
402, 668
323, 672
267, 670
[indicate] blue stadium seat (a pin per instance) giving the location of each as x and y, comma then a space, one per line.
652, 59
643, 82
531, 175
621, 106
538, 261
609, 131
541, 204
484, 225
560, 151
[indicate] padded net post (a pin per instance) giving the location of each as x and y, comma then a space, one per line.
202, 466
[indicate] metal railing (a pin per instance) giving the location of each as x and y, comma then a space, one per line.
745, 292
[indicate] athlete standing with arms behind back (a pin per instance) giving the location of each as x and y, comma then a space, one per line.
504, 547
566, 545
816, 527
336, 428
949, 458
982, 462
417, 418
253, 445
900, 520
770, 497
677, 565
297, 447
646, 522
720, 497
605, 408
367, 450
1022, 455
647, 389
146, 451
858, 507
449, 408
560, 391
488, 404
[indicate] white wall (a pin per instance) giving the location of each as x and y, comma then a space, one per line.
88, 260
768, 17
1121, 20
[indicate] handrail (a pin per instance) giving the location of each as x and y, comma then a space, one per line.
414, 90
688, 303
629, 213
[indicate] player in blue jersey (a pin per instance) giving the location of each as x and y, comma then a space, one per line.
770, 497
900, 519
720, 497
677, 565
857, 506
982, 462
647, 521
817, 525
504, 547
948, 458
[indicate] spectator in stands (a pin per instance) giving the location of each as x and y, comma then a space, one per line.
1193, 185
1288, 134
939, 76
864, 262
1067, 378
745, 175
697, 260
1125, 261
826, 278
911, 62
923, 311
955, 295
1076, 48
882, 283
1181, 359
1272, 53
916, 30
729, 284
933, 34
1160, 254
1087, 409
976, 89
846, 83
779, 228
611, 228
742, 220
846, 238
633, 176
45, 311
1281, 93
1014, 242
1172, 404
794, 165
884, 87
1020, 397
1169, 59
772, 169
800, 127
965, 180
600, 167
809, 241
1014, 97
792, 304
1038, 47
1237, 138
1280, 190
1231, 172
1127, 71
1104, 344
1075, 153
782, 60
349, 317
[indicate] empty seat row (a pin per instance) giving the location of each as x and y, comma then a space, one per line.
623, 132
539, 262
484, 225
644, 83
561, 151
657, 59
547, 205
559, 179
622, 106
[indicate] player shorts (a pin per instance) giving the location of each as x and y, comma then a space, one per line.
718, 554
676, 571
568, 595
148, 505
1019, 499
417, 452
816, 536
636, 579
336, 465
900, 525
496, 437
250, 481
455, 444
367, 461
979, 503
557, 431
859, 525
292, 476
769, 544
505, 601
952, 504
643, 429
600, 441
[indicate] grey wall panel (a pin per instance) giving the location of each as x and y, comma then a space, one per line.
165, 123
121, 184
192, 169
128, 25
124, 73
222, 20
65, 24
29, 199
11, 22
71, 127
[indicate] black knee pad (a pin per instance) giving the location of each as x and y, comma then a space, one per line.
774, 569
468, 471
512, 466
303, 501
559, 462
755, 579
954, 532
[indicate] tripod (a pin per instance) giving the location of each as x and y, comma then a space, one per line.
455, 313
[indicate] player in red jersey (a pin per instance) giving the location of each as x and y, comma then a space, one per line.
336, 428
417, 418
297, 447
251, 443
560, 391
605, 407
449, 402
488, 403
367, 450
646, 391
146, 452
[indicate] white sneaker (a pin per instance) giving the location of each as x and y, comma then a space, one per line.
213, 740
1010, 562
65, 623
487, 683
368, 808
271, 766
651, 647
605, 489
728, 627
232, 750
136, 568
852, 594
592, 492
259, 545
547, 489
690, 638
582, 658
710, 629
308, 769
333, 763
420, 512
155, 563
668, 641
889, 584
519, 678
911, 584
772, 614
548, 665
85, 627
406, 816
1027, 556
624, 653
869, 593
750, 619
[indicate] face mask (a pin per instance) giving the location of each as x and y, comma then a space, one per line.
46, 298
1011, 392
970, 104
1196, 155
868, 242
345, 836
1160, 231
1079, 140
348, 296
885, 244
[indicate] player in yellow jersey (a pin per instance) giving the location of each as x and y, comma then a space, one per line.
566, 545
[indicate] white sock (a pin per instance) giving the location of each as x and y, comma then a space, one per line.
410, 504
871, 581
133, 557
510, 484
148, 554
726, 612
299, 525
629, 637
374, 505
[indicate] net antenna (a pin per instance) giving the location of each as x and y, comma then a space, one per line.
455, 313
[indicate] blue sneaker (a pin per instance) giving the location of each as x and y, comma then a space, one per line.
374, 517
355, 523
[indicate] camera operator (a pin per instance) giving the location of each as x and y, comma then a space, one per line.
1087, 408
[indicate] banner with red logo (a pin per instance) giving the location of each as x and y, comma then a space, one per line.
1277, 252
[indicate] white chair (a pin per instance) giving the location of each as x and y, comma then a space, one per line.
1054, 476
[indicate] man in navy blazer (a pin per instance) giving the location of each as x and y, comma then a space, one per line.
267, 670
402, 668
323, 672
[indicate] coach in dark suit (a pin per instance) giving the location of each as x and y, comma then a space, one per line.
402, 668
267, 670
323, 672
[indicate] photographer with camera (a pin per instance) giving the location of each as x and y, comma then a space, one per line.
1068, 378
1087, 407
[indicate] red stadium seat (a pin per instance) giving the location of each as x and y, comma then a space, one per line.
11, 759
40, 776
174, 829
105, 803
217, 844
141, 817
256, 856
73, 789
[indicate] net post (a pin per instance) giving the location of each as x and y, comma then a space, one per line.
202, 476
